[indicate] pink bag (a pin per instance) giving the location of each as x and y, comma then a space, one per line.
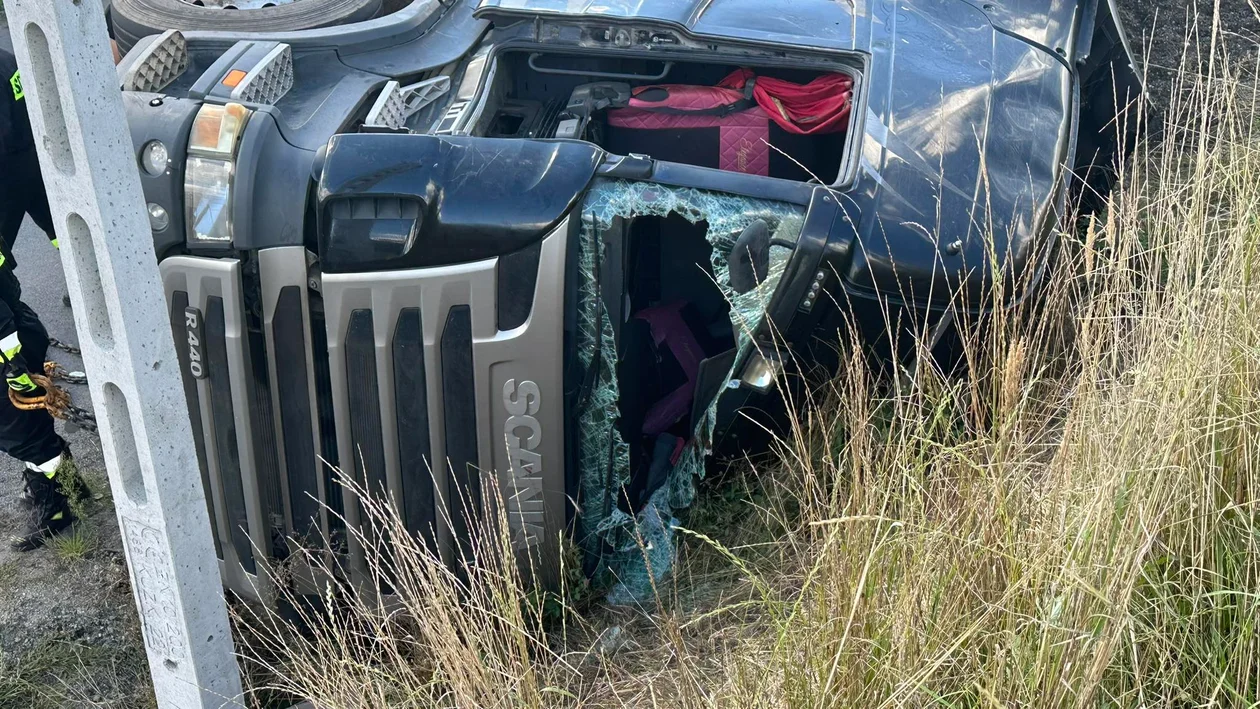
697, 125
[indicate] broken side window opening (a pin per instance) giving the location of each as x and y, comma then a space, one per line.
790, 123
660, 333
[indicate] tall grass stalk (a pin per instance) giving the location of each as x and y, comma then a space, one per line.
1070, 521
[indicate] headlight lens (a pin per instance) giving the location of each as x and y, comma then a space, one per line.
158, 218
212, 145
154, 157
208, 196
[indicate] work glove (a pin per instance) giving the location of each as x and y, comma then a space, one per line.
22, 384
16, 374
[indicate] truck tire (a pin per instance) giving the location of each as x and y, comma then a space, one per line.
133, 19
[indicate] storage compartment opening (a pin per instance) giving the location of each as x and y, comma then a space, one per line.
676, 319
709, 115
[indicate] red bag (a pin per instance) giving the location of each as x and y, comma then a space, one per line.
821, 106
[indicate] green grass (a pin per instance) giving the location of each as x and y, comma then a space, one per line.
80, 540
75, 543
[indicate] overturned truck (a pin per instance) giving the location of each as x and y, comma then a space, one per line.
570, 247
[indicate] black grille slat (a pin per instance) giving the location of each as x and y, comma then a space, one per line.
179, 304
365, 408
325, 407
366, 431
224, 420
412, 409
266, 448
517, 278
459, 402
292, 375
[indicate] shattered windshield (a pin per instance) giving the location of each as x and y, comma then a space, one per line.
633, 544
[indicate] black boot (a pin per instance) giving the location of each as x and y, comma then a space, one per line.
72, 484
49, 512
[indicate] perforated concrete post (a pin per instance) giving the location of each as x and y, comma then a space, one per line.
93, 185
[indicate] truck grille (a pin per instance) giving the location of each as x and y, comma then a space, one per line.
383, 372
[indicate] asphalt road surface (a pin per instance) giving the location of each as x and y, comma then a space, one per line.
1161, 31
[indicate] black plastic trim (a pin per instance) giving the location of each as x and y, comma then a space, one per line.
517, 278
224, 419
292, 375
262, 418
826, 239
365, 403
411, 403
324, 408
478, 197
459, 403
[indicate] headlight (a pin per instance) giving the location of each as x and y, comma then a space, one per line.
208, 196
158, 218
208, 173
154, 157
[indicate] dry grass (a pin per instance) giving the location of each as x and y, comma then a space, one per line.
1071, 523
61, 673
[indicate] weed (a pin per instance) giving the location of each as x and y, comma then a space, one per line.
75, 543
73, 482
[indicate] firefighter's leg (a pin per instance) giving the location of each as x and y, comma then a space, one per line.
32, 333
49, 474
29, 436
28, 190
26, 435
22, 193
30, 329
12, 211
49, 470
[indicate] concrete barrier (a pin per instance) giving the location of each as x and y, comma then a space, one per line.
91, 173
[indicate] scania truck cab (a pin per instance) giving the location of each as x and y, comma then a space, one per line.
560, 250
